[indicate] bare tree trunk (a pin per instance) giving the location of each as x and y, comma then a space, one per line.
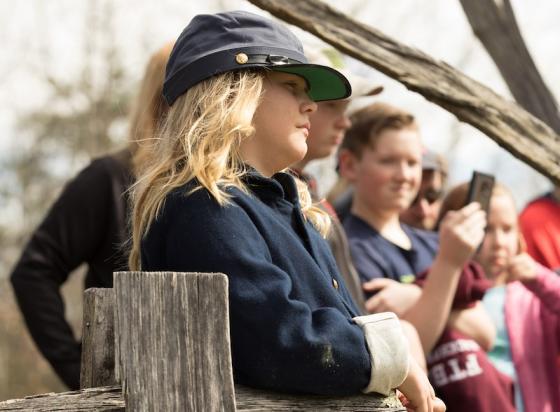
520, 133
494, 23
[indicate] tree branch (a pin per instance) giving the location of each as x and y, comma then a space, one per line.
494, 23
520, 133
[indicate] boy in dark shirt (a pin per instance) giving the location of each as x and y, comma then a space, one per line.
377, 257
381, 157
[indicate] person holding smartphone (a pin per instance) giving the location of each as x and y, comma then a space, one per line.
381, 157
524, 304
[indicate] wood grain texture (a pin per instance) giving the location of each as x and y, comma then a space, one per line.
98, 339
249, 399
172, 335
102, 399
509, 125
172, 331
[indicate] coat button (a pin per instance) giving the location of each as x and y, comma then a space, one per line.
335, 283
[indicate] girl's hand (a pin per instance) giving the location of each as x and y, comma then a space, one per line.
521, 267
460, 234
418, 394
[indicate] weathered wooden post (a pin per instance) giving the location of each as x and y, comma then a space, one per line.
98, 339
171, 335
172, 341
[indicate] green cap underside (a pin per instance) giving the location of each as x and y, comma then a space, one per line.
324, 83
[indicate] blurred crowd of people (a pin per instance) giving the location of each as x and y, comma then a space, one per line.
475, 290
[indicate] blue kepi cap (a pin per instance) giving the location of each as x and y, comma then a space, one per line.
217, 43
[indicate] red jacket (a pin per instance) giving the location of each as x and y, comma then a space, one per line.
540, 225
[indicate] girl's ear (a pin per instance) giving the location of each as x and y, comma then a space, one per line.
347, 164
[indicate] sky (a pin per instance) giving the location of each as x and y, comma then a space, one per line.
49, 36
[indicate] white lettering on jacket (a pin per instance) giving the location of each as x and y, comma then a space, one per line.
456, 368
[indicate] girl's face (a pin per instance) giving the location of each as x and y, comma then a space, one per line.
502, 236
387, 176
281, 124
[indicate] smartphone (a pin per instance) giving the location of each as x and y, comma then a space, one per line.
480, 190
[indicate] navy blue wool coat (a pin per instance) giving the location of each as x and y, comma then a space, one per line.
290, 313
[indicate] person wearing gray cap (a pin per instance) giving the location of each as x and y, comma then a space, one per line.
215, 198
424, 210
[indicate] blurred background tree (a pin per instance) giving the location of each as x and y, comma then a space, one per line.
494, 23
85, 117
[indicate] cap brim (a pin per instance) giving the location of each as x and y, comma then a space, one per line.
324, 82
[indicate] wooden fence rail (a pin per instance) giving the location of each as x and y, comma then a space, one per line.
171, 353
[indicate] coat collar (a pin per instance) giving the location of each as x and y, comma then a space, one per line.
279, 186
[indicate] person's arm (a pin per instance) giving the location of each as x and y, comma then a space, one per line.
68, 236
475, 323
543, 282
280, 338
461, 232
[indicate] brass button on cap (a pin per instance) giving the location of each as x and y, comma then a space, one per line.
241, 58
335, 283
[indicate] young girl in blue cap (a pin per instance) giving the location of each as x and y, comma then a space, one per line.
215, 198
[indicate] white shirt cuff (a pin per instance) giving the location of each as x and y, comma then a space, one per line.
388, 349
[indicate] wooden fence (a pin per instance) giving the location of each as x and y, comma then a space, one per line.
165, 337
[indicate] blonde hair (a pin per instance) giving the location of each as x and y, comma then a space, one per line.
149, 108
200, 138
